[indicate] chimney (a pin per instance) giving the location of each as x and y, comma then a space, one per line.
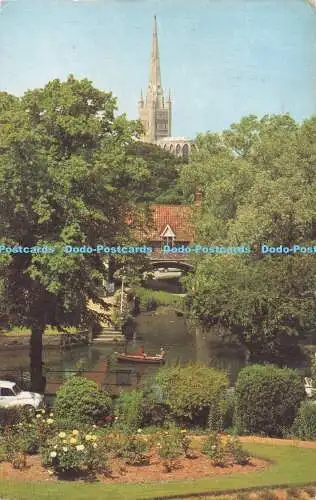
198, 197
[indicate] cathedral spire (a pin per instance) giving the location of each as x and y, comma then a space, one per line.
155, 76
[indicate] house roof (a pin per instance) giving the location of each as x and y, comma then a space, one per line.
176, 216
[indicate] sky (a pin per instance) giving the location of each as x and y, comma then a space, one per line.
222, 59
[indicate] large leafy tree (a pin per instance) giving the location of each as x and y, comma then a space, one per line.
65, 178
164, 167
259, 187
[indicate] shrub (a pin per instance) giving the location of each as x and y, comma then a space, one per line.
233, 448
80, 402
169, 446
221, 416
304, 426
134, 450
11, 416
213, 447
29, 434
267, 399
190, 392
74, 452
129, 410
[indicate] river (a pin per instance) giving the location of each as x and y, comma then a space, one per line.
153, 331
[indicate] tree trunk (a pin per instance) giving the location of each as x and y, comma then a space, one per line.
36, 361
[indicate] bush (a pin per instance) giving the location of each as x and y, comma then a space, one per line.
135, 449
11, 416
267, 399
213, 447
29, 434
221, 417
190, 392
170, 447
234, 449
80, 402
304, 426
74, 452
129, 410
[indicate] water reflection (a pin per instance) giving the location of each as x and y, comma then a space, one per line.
153, 331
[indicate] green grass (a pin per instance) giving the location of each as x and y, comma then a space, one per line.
292, 466
22, 331
160, 297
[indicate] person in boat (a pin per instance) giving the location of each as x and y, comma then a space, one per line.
141, 351
162, 352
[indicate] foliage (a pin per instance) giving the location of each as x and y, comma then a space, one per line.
129, 410
115, 441
267, 399
234, 448
222, 415
170, 446
66, 178
10, 416
161, 184
222, 454
258, 181
214, 448
151, 299
304, 426
29, 433
74, 451
190, 391
134, 450
79, 401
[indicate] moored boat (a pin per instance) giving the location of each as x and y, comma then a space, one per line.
139, 358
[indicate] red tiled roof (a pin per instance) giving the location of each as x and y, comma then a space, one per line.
176, 216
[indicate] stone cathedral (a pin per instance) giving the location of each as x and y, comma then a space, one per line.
155, 111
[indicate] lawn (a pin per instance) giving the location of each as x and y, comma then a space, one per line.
292, 466
21, 331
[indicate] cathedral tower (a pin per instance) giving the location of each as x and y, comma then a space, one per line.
154, 110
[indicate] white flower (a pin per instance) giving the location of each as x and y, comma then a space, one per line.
38, 415
51, 414
80, 447
95, 445
55, 446
139, 431
213, 447
62, 434
94, 426
65, 448
53, 454
49, 420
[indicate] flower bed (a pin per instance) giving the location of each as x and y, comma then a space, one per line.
114, 456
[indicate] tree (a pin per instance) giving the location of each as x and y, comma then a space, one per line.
64, 179
162, 184
259, 186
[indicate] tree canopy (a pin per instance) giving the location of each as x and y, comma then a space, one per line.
259, 183
66, 177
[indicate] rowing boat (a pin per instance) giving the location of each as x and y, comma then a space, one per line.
136, 358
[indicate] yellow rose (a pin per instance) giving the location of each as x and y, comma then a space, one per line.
75, 432
88, 437
93, 438
73, 441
